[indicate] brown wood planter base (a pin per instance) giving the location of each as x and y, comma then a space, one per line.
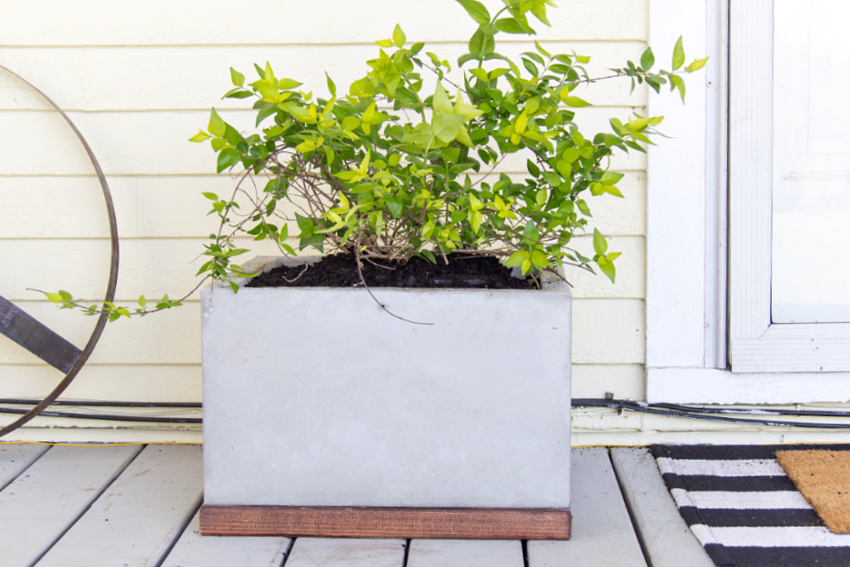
449, 523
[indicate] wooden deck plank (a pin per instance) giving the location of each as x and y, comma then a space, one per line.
469, 553
194, 550
44, 501
602, 533
666, 538
326, 552
137, 520
16, 457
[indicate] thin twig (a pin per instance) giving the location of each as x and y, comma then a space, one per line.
366, 287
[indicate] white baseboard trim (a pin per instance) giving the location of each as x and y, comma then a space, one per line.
714, 386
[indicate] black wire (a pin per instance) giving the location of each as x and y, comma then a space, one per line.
115, 404
747, 411
663, 409
105, 417
692, 413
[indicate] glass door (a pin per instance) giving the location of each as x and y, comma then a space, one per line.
810, 280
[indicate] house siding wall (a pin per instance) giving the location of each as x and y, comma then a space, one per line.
138, 79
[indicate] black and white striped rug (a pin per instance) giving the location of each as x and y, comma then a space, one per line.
745, 510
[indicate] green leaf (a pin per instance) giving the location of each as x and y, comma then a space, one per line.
217, 126
678, 54
541, 197
306, 146
476, 44
54, 297
476, 10
696, 65
611, 178
552, 178
233, 137
678, 82
607, 268
539, 259
440, 102
237, 92
395, 205
268, 74
200, 137
600, 245
269, 92
349, 123
480, 74
446, 127
510, 25
236, 77
481, 43
463, 59
565, 168
539, 11
331, 85
647, 60
521, 122
287, 84
614, 190
541, 50
575, 101
227, 159
398, 36
517, 258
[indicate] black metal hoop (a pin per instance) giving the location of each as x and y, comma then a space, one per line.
113, 271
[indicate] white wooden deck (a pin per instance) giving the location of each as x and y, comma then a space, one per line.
134, 505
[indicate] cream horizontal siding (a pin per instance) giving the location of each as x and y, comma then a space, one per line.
198, 76
218, 22
172, 337
120, 382
139, 79
146, 206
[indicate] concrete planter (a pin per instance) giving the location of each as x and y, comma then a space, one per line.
325, 416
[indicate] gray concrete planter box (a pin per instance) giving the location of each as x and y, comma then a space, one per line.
325, 416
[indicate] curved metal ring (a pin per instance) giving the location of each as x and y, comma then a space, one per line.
113, 272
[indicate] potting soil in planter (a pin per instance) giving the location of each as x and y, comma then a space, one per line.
340, 270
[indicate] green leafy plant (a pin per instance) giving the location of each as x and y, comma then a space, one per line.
404, 162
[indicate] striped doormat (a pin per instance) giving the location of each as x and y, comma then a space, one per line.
745, 510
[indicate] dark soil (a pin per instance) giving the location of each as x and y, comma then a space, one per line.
340, 270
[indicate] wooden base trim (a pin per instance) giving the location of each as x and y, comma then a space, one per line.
450, 523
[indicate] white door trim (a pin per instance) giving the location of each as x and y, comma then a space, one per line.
686, 248
756, 344
686, 257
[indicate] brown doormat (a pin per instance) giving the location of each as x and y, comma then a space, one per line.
823, 477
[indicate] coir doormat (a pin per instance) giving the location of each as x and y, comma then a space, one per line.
745, 510
823, 477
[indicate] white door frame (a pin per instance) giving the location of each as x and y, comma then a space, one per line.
686, 235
